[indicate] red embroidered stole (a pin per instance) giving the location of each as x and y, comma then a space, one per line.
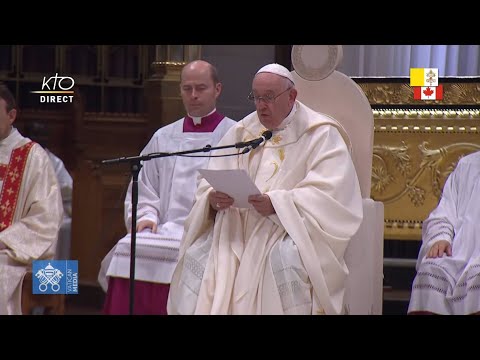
12, 175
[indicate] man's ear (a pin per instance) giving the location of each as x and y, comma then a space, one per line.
12, 115
293, 94
218, 89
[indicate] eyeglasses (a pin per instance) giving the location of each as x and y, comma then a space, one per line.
268, 99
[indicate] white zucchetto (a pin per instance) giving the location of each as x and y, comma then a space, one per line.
277, 69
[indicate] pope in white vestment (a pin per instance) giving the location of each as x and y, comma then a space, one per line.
30, 214
448, 266
287, 260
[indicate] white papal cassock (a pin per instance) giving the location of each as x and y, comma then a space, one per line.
239, 262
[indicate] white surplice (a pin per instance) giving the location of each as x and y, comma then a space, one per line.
166, 193
239, 262
451, 285
36, 220
65, 182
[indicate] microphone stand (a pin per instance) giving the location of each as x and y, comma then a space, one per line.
135, 167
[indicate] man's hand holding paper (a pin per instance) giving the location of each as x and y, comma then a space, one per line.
219, 201
232, 188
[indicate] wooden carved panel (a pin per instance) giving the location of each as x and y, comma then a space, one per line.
98, 212
99, 190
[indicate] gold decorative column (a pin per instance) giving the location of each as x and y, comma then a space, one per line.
164, 103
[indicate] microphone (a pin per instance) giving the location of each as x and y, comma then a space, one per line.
266, 135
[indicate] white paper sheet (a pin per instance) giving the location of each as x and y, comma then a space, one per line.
235, 183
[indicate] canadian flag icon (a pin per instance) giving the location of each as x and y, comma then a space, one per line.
428, 92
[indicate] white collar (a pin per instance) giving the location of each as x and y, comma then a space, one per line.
197, 120
11, 138
284, 124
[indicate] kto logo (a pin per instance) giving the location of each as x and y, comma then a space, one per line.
57, 88
55, 277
